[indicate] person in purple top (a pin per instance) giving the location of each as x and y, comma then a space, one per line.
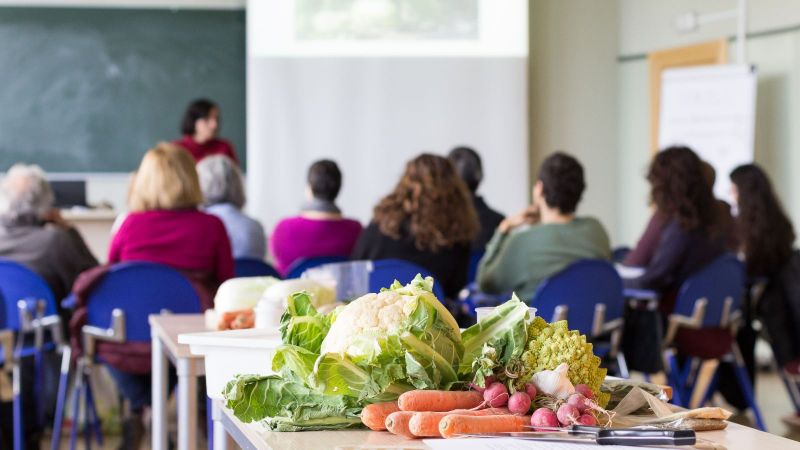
320, 229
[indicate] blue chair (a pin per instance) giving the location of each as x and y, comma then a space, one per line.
8, 368
301, 265
588, 295
117, 311
28, 309
709, 300
474, 261
252, 267
384, 271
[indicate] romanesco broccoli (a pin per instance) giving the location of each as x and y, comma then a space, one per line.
552, 344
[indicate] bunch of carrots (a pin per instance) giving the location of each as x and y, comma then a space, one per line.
431, 414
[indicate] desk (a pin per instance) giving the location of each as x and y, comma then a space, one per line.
95, 228
164, 330
249, 437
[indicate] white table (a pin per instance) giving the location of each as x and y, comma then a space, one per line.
164, 330
249, 437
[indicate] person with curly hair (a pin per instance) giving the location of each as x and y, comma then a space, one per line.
692, 235
428, 219
546, 237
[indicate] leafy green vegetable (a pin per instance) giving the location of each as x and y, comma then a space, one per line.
284, 403
302, 325
497, 339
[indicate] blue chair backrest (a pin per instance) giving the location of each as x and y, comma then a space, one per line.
385, 271
474, 261
17, 282
140, 289
252, 267
301, 265
723, 278
581, 286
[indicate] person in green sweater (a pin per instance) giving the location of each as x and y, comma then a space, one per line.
545, 237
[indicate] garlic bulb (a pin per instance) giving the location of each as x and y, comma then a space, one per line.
554, 383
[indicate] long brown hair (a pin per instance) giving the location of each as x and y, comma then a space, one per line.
679, 189
431, 203
766, 233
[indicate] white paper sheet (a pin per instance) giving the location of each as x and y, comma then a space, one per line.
516, 444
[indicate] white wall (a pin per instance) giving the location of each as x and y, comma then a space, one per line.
573, 104
647, 26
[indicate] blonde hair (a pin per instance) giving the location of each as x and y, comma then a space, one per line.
166, 179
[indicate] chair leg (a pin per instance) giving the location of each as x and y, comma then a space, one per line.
209, 424
744, 383
674, 378
76, 405
622, 365
63, 381
92, 419
703, 381
19, 426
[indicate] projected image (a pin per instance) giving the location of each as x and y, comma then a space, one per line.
386, 20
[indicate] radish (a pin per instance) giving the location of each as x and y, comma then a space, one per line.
580, 402
567, 415
544, 417
587, 419
487, 381
519, 403
496, 395
585, 391
530, 389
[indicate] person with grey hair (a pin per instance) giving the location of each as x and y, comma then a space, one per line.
33, 233
223, 191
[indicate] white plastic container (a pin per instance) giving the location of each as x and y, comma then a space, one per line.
233, 352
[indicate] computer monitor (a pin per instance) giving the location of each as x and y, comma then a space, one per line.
69, 193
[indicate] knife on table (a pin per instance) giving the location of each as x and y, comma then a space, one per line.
619, 436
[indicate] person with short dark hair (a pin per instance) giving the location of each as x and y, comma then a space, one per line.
545, 237
320, 229
469, 167
200, 126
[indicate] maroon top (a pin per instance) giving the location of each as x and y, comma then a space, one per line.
299, 238
188, 240
215, 146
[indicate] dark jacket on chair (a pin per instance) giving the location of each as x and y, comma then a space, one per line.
779, 311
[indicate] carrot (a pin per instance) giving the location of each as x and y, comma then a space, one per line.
374, 415
454, 424
397, 423
426, 424
439, 400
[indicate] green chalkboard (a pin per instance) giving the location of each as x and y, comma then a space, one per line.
90, 90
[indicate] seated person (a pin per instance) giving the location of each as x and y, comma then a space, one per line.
641, 255
164, 225
469, 167
544, 238
428, 220
200, 126
320, 229
692, 236
32, 233
223, 190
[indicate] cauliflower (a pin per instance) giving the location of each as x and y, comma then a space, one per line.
403, 324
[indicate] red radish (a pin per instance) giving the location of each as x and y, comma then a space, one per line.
580, 402
587, 419
496, 395
584, 391
544, 417
519, 403
487, 381
567, 415
476, 388
531, 390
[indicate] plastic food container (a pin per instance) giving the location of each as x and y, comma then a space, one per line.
232, 352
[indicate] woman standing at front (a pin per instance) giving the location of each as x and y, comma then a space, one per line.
200, 126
